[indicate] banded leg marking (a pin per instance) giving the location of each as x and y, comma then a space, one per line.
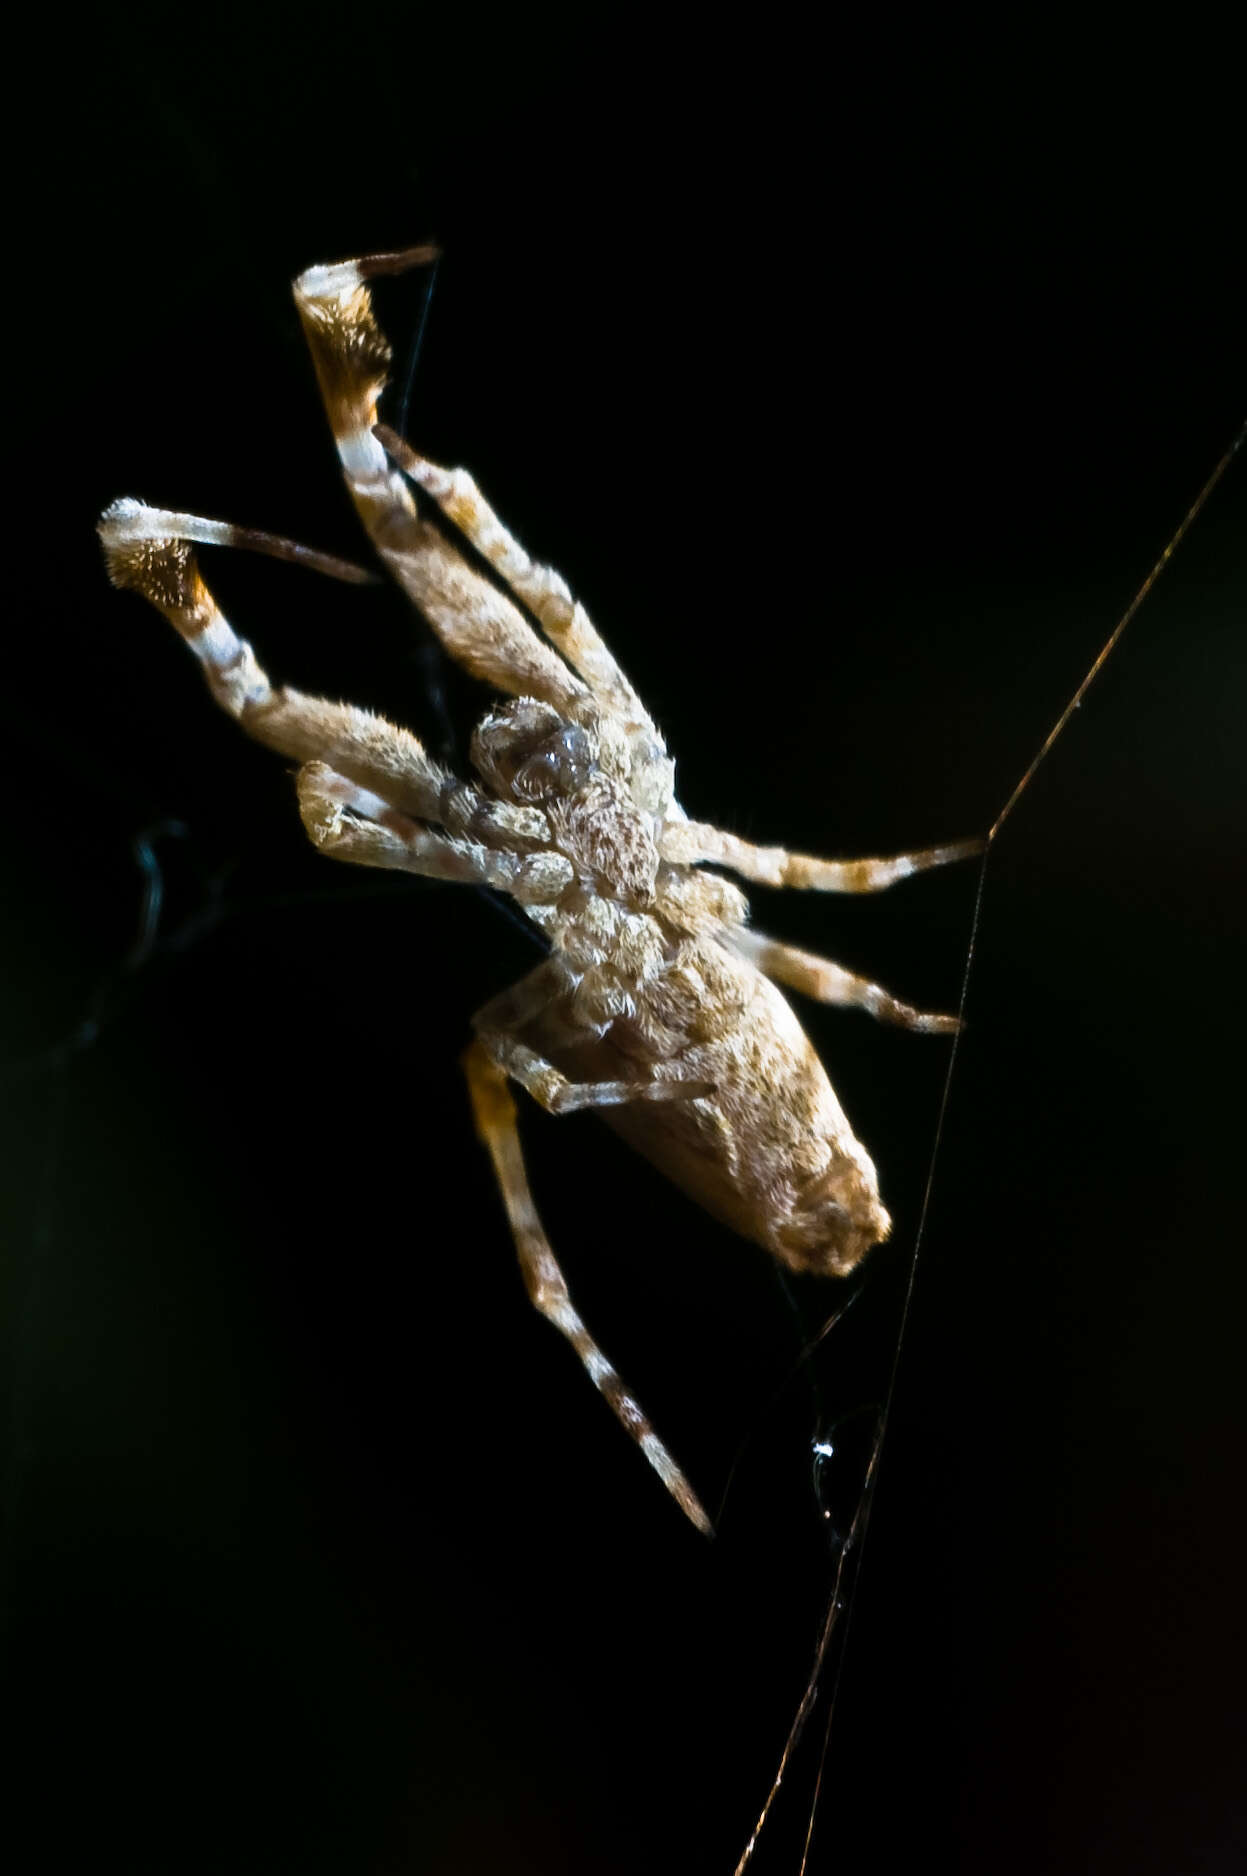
494, 1113
540, 588
553, 1091
149, 550
130, 523
164, 569
688, 842
479, 625
831, 983
351, 823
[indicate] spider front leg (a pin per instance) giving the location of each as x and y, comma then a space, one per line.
545, 592
495, 1116
479, 625
150, 551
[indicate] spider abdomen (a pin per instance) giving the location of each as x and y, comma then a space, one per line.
770, 1152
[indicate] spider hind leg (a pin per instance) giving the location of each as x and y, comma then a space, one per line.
495, 1116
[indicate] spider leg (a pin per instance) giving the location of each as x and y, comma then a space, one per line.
495, 1117
554, 1091
520, 1002
149, 550
480, 626
685, 843
133, 522
831, 983
351, 823
545, 592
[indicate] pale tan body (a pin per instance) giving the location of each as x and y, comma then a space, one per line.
770, 1144
656, 1005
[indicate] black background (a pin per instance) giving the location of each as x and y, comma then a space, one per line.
855, 392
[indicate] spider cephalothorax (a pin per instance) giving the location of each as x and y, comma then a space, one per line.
525, 749
657, 1004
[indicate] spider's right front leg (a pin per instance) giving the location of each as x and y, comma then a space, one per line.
495, 1116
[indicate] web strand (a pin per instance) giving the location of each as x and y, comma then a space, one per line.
854, 1543
1110, 644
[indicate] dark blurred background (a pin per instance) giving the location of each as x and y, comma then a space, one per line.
855, 394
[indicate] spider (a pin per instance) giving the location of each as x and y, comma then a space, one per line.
657, 1003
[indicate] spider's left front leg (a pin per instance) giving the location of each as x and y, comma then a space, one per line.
480, 626
494, 1112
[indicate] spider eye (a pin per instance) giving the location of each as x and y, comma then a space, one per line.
526, 750
557, 767
538, 777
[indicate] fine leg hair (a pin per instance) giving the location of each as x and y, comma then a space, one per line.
685, 843
479, 625
494, 1113
520, 1002
150, 551
545, 592
831, 983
